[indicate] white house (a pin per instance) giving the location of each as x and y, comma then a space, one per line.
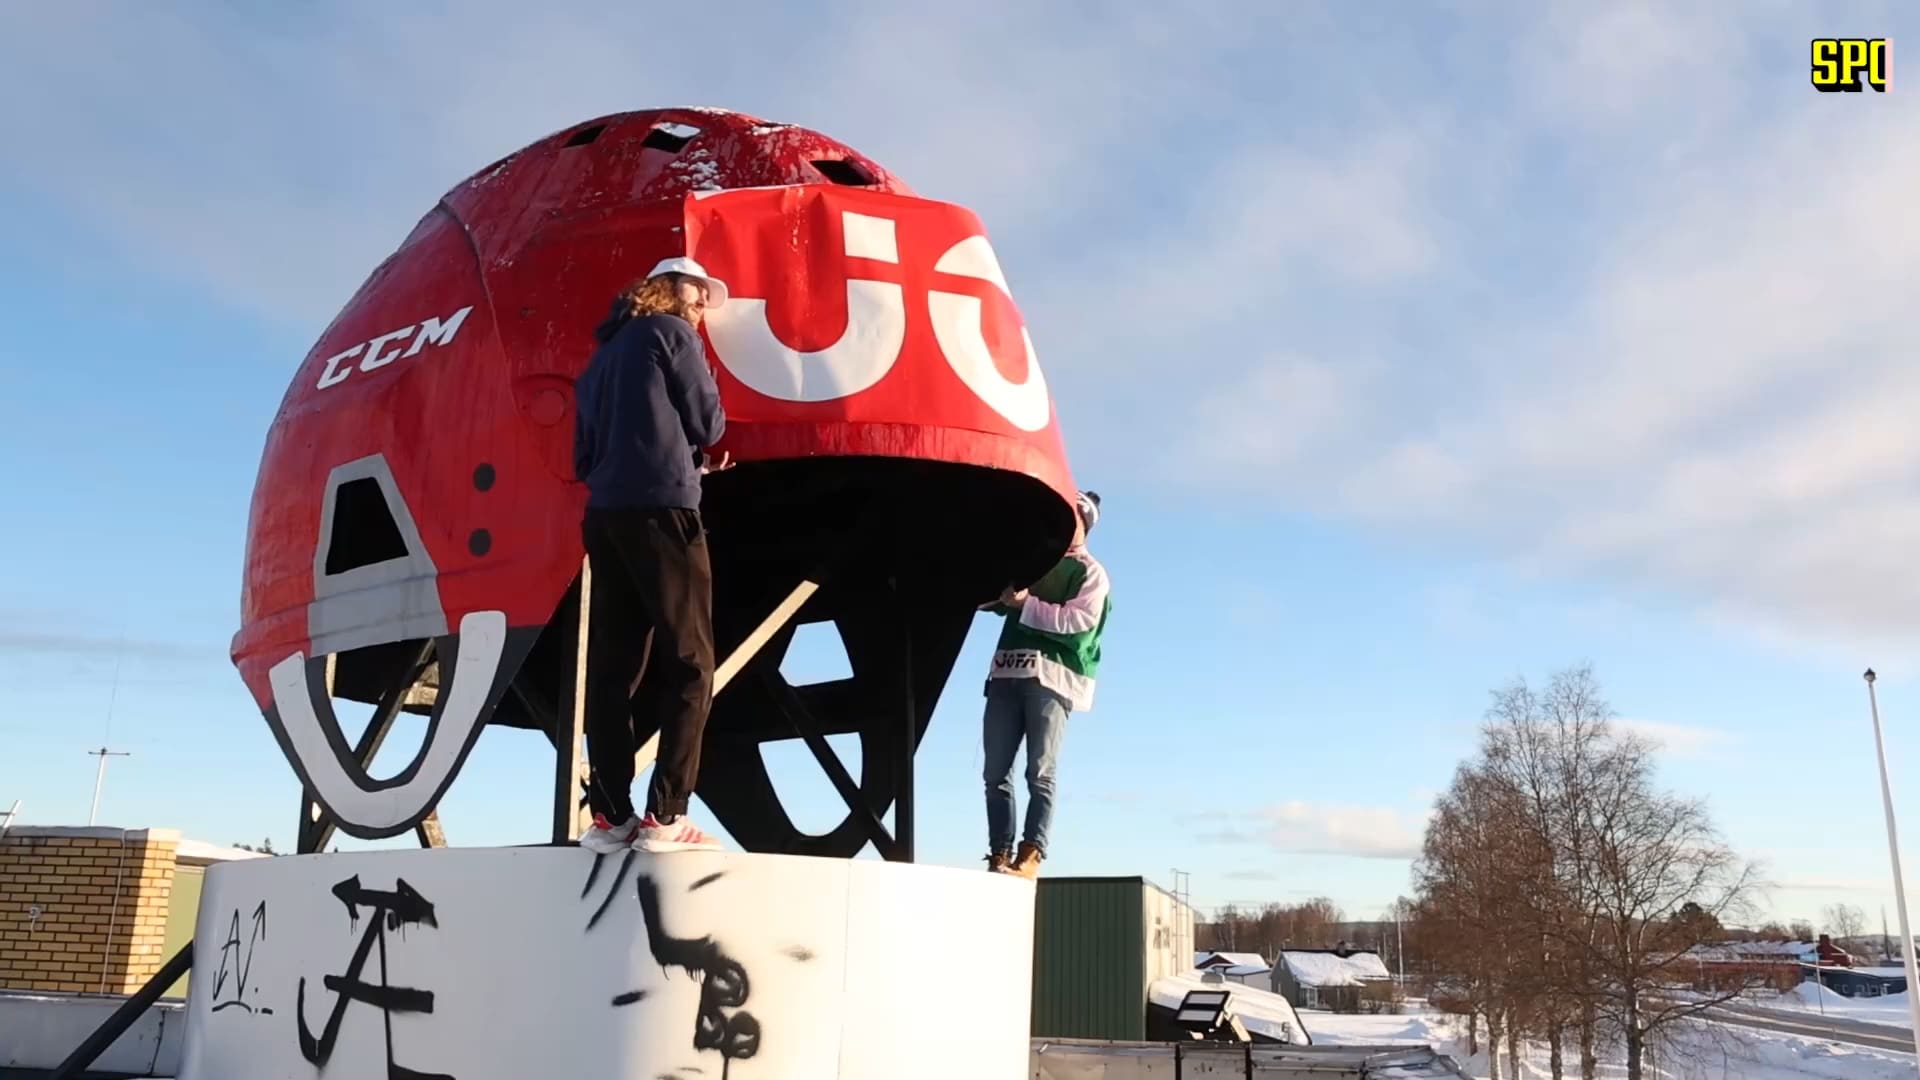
1247, 969
1327, 978
1207, 960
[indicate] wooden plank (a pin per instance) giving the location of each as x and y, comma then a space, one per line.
570, 718
737, 660
429, 831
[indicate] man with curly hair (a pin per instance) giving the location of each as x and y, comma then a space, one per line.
647, 410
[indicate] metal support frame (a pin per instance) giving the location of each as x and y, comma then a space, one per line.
800, 718
123, 1017
568, 767
897, 844
903, 804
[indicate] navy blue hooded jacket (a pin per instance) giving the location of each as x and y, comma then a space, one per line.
644, 410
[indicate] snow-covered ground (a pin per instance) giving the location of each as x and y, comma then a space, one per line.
1706, 1051
1809, 999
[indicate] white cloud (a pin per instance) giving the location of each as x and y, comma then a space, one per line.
1372, 832
1679, 740
1253, 875
278, 160
1714, 399
1255, 220
1606, 67
1287, 406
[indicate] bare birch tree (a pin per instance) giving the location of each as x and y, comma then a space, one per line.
1844, 921
1574, 888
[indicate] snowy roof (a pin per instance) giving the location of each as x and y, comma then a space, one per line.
198, 852
1746, 950
1263, 1013
1329, 969
1231, 959
1782, 948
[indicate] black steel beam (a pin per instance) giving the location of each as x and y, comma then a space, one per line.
801, 720
903, 805
123, 1017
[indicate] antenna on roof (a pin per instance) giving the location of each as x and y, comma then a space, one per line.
100, 774
100, 777
1183, 895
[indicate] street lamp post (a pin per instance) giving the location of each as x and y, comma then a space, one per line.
1893, 851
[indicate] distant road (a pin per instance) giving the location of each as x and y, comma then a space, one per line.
1814, 1026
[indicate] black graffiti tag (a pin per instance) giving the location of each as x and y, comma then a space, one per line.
236, 961
403, 906
723, 983
720, 1024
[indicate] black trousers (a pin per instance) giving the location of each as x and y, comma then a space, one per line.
650, 624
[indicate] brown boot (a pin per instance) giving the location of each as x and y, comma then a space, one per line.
1027, 863
998, 862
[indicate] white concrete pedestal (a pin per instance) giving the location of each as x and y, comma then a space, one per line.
524, 963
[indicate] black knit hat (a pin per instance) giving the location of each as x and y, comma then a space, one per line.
1088, 506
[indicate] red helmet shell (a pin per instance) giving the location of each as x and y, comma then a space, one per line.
419, 470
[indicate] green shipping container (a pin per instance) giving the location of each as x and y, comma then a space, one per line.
1098, 943
183, 909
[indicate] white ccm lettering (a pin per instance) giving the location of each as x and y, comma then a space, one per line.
876, 331
430, 332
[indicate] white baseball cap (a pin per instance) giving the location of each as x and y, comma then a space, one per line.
681, 264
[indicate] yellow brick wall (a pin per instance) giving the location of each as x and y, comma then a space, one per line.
101, 896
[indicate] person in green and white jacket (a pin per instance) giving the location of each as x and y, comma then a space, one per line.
1043, 671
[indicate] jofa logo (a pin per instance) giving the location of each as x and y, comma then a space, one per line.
1838, 64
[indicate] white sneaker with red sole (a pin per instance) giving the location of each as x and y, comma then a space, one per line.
679, 835
605, 838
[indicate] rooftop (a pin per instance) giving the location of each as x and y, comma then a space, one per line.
1312, 967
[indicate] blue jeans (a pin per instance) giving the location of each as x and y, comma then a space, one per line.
1021, 709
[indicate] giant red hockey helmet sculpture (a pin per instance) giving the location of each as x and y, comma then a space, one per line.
414, 538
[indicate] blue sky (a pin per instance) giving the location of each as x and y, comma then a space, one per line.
1413, 348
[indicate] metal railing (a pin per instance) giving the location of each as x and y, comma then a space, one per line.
1079, 1059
